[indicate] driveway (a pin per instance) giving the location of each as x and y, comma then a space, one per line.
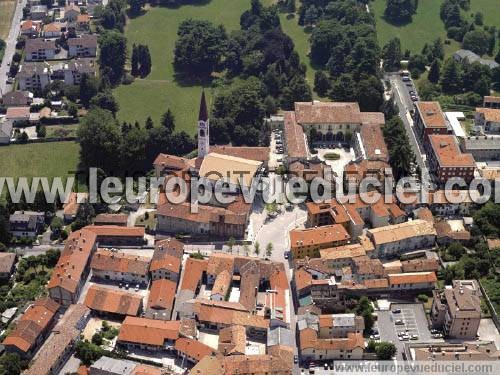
10, 47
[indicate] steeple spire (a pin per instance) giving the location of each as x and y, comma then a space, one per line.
203, 115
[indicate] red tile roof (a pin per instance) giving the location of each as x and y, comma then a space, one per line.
162, 294
148, 331
108, 260
112, 301
193, 349
448, 153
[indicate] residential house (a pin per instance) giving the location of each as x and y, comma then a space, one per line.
119, 267
192, 350
5, 131
474, 351
53, 30
457, 311
318, 349
113, 366
17, 99
482, 148
26, 223
114, 235
58, 347
308, 242
393, 240
38, 12
111, 219
39, 50
161, 299
31, 29
83, 46
446, 160
340, 325
491, 102
166, 261
73, 70
113, 303
33, 76
232, 340
83, 23
71, 271
429, 119
18, 115
410, 281
488, 119
148, 334
7, 262
70, 208
71, 12
32, 328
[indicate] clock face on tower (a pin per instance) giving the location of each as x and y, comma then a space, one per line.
202, 132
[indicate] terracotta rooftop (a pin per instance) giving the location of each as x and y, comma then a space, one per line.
193, 272
63, 335
222, 284
294, 137
373, 142
32, 324
219, 262
232, 340
342, 252
398, 232
462, 303
18, 112
74, 200
420, 265
412, 278
250, 153
310, 340
490, 114
168, 246
318, 236
7, 261
220, 315
108, 260
148, 331
303, 278
71, 264
116, 231
171, 162
327, 113
448, 152
432, 115
162, 294
113, 301
366, 266
193, 348
491, 99
111, 219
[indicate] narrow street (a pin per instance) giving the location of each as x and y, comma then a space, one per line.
10, 47
405, 105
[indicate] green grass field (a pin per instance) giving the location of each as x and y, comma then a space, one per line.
159, 91
425, 27
489, 8
7, 8
54, 159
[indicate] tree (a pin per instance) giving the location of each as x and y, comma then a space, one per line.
269, 249
11, 364
400, 11
401, 155
434, 72
168, 121
385, 350
297, 91
144, 60
105, 100
97, 339
478, 41
230, 243
478, 18
88, 352
134, 61
199, 47
149, 123
136, 5
89, 86
311, 15
99, 136
113, 55
450, 76
84, 216
290, 6
392, 55
256, 248
52, 256
321, 83
370, 93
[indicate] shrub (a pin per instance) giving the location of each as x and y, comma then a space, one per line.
423, 298
332, 156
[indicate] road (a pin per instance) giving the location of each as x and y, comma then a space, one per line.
10, 48
405, 104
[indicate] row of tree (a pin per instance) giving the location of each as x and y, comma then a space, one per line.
141, 60
344, 45
263, 71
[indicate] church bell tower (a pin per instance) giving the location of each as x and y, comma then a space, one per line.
203, 128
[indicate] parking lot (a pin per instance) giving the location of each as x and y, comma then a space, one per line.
414, 325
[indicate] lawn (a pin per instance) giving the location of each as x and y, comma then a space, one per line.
160, 90
61, 131
489, 8
39, 159
425, 27
7, 8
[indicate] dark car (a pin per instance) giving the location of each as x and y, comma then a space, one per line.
396, 311
295, 359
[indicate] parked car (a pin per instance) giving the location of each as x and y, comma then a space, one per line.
325, 366
399, 322
295, 359
396, 311
414, 337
